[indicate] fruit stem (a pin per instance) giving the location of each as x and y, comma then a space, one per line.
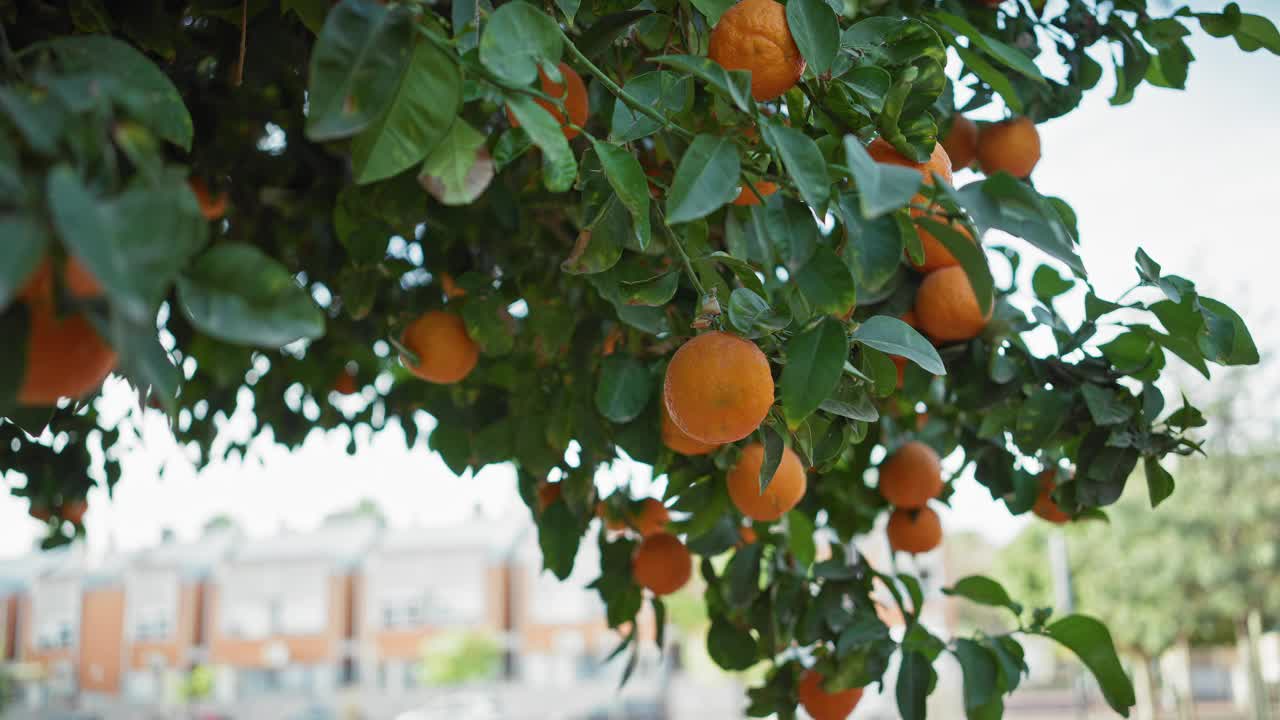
621, 94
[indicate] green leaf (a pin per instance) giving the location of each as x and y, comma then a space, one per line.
882, 187
14, 325
713, 9
891, 335
486, 322
1130, 73
133, 245
1040, 416
310, 12
815, 359
984, 591
25, 241
356, 65
915, 681
791, 227
146, 91
816, 31
874, 248
143, 360
1048, 284
800, 538
826, 282
624, 388
517, 37
654, 292
752, 316
1255, 32
1105, 404
1005, 203
972, 259
731, 647
803, 162
1159, 482
1223, 321
238, 294
459, 169
667, 92
422, 110
1010, 57
980, 679
1091, 642
627, 178
734, 85
706, 179
773, 444
558, 165
851, 400
559, 534
988, 73
38, 118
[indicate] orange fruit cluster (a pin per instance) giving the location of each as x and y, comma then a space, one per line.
909, 479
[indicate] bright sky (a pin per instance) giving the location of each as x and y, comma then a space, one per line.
1183, 174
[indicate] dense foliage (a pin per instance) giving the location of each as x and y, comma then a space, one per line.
361, 165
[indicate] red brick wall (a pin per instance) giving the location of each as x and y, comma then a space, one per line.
101, 639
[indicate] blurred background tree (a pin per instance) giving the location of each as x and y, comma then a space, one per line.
459, 657
1204, 569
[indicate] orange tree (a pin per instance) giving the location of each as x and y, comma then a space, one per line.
512, 216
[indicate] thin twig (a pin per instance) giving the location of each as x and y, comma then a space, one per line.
684, 257
244, 36
621, 94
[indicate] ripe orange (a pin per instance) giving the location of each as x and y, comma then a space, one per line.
764, 187
40, 511
915, 530
718, 387
939, 162
947, 308
747, 534
911, 476
680, 443
574, 99
74, 511
213, 207
449, 287
1012, 146
662, 564
345, 383
548, 492
76, 279
784, 491
1045, 507
961, 142
822, 705
753, 35
65, 357
652, 518
445, 351
611, 341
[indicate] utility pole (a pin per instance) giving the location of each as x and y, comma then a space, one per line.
1064, 600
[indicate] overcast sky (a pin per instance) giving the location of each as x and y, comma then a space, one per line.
1188, 176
